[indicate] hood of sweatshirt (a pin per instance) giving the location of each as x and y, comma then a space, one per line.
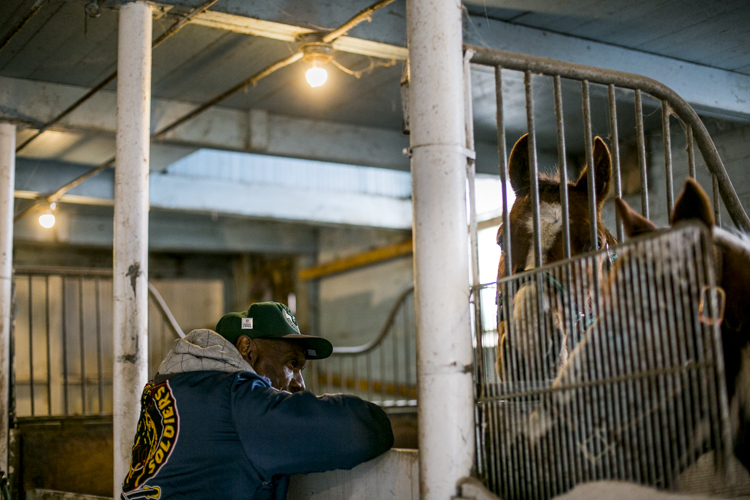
202, 351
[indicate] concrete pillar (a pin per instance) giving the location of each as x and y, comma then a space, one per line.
7, 185
130, 282
441, 274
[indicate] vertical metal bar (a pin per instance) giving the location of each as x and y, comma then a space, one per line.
504, 176
31, 346
130, 262
99, 344
563, 166
589, 145
473, 238
641, 140
717, 200
49, 355
690, 151
667, 133
66, 399
368, 365
533, 170
83, 346
615, 143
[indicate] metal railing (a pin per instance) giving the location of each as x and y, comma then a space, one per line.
62, 342
614, 411
382, 370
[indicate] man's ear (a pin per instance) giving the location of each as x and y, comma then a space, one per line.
602, 171
248, 348
693, 204
633, 222
518, 166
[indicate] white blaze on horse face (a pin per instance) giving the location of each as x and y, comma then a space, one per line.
550, 218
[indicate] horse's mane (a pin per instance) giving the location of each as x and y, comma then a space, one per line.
734, 239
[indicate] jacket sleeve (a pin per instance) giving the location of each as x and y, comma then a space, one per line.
285, 433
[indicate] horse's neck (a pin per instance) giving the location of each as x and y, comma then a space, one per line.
734, 278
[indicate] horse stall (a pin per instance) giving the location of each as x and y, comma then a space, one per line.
597, 360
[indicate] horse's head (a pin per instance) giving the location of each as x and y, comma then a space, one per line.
732, 270
546, 347
550, 210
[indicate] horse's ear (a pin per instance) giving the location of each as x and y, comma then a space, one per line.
633, 222
602, 171
518, 166
693, 203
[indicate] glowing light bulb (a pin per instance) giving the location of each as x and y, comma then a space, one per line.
47, 220
316, 76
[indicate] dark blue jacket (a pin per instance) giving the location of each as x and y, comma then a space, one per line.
219, 435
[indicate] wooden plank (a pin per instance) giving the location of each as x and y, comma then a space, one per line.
375, 386
356, 261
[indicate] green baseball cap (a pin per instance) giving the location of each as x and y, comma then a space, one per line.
271, 320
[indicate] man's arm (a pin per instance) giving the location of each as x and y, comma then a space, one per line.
285, 433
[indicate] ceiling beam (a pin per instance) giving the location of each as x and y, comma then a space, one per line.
709, 89
289, 33
210, 196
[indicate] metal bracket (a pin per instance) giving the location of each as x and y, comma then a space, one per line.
468, 153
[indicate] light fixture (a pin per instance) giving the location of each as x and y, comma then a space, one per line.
47, 219
316, 76
317, 53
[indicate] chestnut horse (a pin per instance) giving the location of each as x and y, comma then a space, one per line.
536, 348
732, 263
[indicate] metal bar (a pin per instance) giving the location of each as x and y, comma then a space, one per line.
615, 143
31, 346
504, 176
690, 151
667, 133
640, 139
7, 186
18, 25
130, 267
100, 375
717, 200
591, 176
363, 15
66, 402
541, 65
165, 311
82, 341
49, 354
563, 166
533, 170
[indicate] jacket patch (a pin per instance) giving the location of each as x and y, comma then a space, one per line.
155, 438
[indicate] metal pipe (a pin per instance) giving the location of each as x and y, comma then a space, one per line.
563, 166
82, 343
717, 200
543, 65
18, 26
130, 270
690, 151
504, 176
667, 133
363, 15
591, 177
7, 181
444, 350
47, 338
615, 143
641, 140
32, 397
533, 170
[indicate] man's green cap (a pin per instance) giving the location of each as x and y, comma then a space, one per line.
271, 320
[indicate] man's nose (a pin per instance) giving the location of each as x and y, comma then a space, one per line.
298, 383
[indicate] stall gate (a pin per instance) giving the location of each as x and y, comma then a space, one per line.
635, 389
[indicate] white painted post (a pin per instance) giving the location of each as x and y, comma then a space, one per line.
7, 186
130, 282
441, 272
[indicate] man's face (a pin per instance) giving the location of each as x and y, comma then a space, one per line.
281, 361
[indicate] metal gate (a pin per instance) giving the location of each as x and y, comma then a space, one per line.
642, 395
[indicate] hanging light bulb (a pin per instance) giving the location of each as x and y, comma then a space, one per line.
316, 76
47, 219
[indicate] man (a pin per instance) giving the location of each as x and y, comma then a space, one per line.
227, 416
